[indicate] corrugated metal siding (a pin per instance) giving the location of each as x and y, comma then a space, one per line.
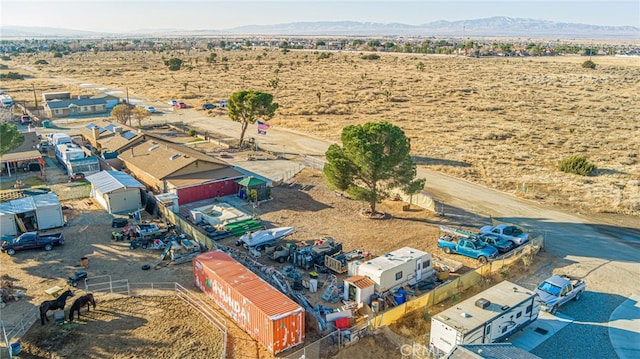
206, 191
269, 316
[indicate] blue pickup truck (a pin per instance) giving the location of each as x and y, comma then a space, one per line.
470, 247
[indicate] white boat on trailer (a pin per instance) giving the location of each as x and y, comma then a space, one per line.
260, 239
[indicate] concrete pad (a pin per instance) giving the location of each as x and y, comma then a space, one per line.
624, 328
537, 332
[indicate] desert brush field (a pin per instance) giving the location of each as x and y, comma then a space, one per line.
503, 122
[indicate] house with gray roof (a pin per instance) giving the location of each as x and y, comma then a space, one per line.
75, 107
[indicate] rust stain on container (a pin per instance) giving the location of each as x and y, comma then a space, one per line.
264, 312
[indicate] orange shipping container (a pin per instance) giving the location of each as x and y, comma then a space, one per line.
266, 314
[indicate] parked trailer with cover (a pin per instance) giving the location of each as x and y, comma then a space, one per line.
487, 317
401, 267
266, 314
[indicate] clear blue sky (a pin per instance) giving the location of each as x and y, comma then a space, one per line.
127, 15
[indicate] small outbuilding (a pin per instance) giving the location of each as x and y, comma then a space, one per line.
33, 213
117, 192
359, 289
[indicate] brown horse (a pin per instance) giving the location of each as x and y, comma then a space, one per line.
57, 303
79, 303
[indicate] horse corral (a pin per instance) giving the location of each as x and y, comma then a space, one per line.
126, 327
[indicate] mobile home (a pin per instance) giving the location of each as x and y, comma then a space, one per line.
403, 266
488, 317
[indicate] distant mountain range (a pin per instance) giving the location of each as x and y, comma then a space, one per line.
499, 26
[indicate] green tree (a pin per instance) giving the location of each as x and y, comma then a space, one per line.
249, 106
173, 64
374, 157
141, 114
10, 138
589, 65
122, 113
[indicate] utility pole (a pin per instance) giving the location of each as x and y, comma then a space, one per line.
35, 98
129, 109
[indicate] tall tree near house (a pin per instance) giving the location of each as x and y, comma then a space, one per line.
10, 138
122, 113
249, 106
141, 114
374, 157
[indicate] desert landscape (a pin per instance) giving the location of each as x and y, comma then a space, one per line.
501, 122
504, 122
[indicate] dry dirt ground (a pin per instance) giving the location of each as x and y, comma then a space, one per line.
502, 122
151, 326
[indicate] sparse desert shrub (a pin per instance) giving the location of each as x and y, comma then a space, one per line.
370, 57
192, 132
5, 58
11, 76
576, 164
3, 67
57, 54
589, 65
41, 62
324, 55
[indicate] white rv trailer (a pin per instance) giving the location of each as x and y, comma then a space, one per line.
6, 101
403, 266
487, 317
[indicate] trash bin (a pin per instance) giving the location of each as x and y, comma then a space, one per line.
46, 123
16, 348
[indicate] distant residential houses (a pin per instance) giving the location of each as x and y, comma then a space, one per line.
62, 104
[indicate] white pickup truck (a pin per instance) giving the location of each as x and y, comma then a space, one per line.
557, 290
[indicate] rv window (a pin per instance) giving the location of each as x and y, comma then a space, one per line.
529, 308
518, 315
399, 275
488, 330
504, 329
426, 264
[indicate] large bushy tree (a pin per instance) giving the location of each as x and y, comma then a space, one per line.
122, 113
141, 114
10, 138
373, 158
249, 106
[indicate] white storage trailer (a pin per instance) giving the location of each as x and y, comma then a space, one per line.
401, 267
487, 317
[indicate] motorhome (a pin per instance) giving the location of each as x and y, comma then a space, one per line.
488, 317
401, 267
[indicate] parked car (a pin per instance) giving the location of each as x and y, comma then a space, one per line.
172, 102
208, 106
502, 245
32, 240
25, 119
151, 109
181, 105
222, 103
504, 231
557, 290
470, 247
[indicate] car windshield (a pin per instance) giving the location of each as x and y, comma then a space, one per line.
550, 288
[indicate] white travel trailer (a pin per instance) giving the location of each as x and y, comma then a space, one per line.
403, 266
487, 317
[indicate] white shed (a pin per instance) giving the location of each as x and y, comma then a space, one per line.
34, 213
116, 191
48, 211
7, 220
358, 289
